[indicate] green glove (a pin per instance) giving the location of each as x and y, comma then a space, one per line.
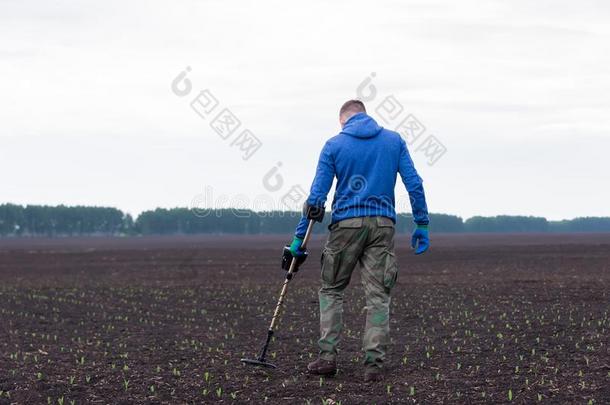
295, 247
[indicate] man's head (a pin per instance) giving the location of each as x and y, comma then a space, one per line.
350, 108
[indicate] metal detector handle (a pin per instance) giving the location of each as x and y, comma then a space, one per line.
293, 262
313, 213
308, 233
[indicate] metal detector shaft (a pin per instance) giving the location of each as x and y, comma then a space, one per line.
293, 264
280, 301
261, 361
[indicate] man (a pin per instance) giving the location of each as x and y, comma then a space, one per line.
365, 158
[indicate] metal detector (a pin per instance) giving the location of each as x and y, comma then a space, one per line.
313, 214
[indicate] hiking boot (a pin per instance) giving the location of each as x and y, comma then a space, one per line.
322, 367
372, 375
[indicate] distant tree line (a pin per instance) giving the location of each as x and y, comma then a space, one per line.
37, 220
186, 221
42, 220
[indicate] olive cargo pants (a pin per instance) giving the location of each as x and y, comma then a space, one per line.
369, 242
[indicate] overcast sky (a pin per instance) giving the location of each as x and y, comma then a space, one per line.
517, 92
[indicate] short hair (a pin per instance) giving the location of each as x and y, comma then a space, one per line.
352, 107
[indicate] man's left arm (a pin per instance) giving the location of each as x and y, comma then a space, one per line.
414, 185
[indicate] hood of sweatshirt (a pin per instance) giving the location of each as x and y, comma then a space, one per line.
361, 126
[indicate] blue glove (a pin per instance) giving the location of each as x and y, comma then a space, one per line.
420, 235
295, 247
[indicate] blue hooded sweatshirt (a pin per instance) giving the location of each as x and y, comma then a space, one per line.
365, 158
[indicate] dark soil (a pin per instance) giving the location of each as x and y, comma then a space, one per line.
479, 319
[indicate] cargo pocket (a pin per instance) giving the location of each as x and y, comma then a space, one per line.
330, 265
390, 270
